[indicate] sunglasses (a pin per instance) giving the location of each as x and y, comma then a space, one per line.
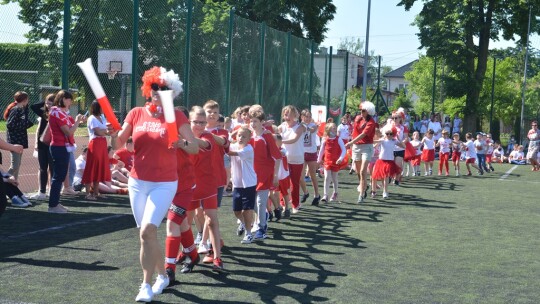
389, 133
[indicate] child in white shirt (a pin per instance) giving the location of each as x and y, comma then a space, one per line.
385, 167
470, 155
244, 181
417, 144
444, 151
428, 154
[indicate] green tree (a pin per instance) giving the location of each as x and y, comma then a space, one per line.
460, 31
420, 79
402, 101
308, 19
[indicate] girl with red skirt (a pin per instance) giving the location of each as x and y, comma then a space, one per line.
385, 167
332, 155
97, 167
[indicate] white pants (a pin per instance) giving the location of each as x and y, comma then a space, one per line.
150, 201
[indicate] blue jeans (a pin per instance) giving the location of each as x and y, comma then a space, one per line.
72, 167
482, 161
60, 165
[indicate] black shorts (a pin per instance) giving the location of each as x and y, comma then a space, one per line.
244, 198
399, 154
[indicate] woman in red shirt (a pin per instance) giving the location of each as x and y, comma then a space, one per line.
63, 126
362, 144
153, 179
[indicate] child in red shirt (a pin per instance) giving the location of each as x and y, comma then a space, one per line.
205, 192
266, 163
331, 155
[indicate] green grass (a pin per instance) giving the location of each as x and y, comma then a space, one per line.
437, 240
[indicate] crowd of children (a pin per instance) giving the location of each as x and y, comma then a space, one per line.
263, 164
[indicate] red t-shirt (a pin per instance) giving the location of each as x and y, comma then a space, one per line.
203, 165
184, 167
219, 152
57, 119
266, 152
126, 157
153, 161
332, 152
362, 126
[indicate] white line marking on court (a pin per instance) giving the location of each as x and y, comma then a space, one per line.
508, 172
65, 226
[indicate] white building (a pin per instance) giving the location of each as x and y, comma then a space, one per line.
353, 72
396, 80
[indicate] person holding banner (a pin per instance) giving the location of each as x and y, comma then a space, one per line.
362, 144
153, 180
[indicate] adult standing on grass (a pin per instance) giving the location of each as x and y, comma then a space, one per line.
362, 144
456, 124
17, 123
43, 151
534, 145
292, 132
435, 125
154, 179
97, 167
12, 148
63, 126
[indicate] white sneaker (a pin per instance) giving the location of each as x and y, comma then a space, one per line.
162, 281
203, 248
248, 239
69, 191
145, 293
39, 196
384, 195
58, 209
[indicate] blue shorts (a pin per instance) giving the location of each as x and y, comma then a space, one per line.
244, 198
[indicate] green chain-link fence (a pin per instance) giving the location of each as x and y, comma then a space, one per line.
217, 54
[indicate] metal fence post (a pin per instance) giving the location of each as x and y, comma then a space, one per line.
329, 82
261, 62
227, 107
346, 84
134, 53
433, 89
65, 45
187, 52
287, 68
311, 71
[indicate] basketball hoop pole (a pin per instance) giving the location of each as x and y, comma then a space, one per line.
123, 91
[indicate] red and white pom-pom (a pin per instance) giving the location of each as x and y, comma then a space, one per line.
160, 77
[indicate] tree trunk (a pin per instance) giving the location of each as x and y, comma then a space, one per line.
476, 76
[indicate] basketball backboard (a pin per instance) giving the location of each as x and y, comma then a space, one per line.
115, 60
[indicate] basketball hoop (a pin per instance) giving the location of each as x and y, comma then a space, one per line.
111, 74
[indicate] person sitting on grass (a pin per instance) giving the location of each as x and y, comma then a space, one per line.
498, 153
517, 157
13, 192
109, 187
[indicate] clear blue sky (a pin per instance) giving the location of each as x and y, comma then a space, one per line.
391, 34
